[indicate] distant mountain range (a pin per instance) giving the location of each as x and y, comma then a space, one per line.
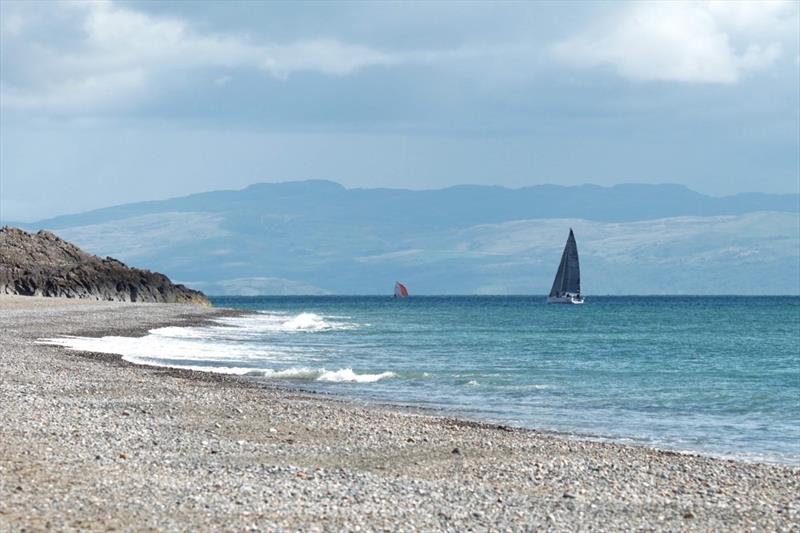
316, 237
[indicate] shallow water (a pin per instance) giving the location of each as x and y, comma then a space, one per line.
716, 375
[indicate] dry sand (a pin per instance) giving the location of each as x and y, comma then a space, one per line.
91, 442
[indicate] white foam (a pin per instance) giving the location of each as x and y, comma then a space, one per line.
258, 324
175, 348
306, 322
154, 347
348, 376
243, 339
344, 375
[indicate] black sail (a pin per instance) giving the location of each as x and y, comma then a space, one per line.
568, 277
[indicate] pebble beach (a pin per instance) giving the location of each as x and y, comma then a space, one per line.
91, 442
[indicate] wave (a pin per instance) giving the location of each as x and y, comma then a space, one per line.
343, 375
157, 346
256, 325
230, 340
348, 376
307, 322
163, 349
264, 321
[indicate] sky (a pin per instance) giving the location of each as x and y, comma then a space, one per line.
105, 103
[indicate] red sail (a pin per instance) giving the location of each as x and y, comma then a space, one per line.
400, 290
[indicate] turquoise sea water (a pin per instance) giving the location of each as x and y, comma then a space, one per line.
717, 375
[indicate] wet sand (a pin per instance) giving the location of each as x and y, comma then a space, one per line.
91, 442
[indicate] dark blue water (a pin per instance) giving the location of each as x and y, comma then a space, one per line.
718, 375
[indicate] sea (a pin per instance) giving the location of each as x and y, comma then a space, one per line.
716, 375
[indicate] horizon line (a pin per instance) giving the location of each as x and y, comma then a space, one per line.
542, 295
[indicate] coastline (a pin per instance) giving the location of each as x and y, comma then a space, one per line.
91, 441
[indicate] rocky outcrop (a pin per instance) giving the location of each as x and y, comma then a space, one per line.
42, 264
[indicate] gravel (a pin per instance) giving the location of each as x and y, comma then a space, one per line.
91, 442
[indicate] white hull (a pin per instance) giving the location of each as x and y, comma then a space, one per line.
564, 300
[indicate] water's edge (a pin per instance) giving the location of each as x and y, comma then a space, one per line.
333, 384
402, 408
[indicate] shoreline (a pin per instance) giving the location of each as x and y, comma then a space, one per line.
200, 439
408, 408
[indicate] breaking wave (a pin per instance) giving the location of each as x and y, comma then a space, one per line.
307, 322
140, 351
255, 326
344, 375
247, 346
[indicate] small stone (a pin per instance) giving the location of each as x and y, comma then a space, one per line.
273, 430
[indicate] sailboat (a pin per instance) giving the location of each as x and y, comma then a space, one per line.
400, 290
567, 285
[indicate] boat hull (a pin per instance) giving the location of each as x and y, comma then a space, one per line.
564, 300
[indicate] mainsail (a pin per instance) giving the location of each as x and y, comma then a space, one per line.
568, 277
400, 290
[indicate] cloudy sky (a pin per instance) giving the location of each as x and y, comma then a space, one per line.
104, 103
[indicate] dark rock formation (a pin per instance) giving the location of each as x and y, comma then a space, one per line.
42, 264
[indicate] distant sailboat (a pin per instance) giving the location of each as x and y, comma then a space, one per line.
400, 290
567, 285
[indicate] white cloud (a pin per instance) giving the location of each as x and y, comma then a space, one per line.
117, 54
702, 42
